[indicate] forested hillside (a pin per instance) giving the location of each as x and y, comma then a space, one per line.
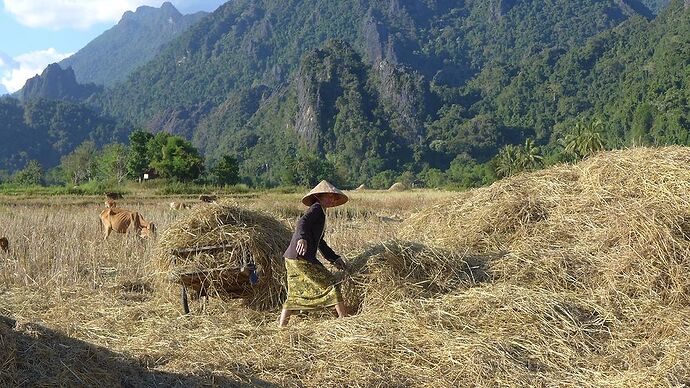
634, 78
436, 92
45, 130
413, 76
136, 39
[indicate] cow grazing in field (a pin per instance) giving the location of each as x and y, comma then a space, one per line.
179, 205
126, 221
4, 244
207, 198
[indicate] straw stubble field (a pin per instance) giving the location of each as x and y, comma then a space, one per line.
572, 276
73, 294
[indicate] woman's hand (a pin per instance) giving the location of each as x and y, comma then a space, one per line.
301, 247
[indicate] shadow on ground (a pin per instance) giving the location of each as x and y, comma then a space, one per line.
32, 355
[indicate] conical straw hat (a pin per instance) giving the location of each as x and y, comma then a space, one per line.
322, 188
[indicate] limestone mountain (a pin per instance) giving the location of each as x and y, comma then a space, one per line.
56, 84
137, 38
417, 61
367, 90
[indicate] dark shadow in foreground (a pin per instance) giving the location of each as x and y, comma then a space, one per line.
32, 355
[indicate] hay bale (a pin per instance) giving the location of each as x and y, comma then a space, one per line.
395, 270
618, 223
397, 186
213, 243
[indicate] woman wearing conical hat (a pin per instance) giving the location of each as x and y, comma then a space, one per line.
310, 284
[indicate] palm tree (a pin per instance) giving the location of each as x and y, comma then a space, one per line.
584, 140
513, 159
530, 155
507, 161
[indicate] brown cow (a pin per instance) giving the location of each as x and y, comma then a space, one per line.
124, 221
4, 244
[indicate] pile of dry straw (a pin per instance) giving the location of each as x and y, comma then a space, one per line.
588, 268
572, 276
240, 236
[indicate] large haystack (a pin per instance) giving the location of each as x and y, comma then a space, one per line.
8, 350
618, 223
218, 241
397, 186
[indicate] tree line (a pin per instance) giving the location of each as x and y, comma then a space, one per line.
154, 155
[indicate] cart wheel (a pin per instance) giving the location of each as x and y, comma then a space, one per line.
185, 304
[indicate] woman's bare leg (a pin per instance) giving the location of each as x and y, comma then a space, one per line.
284, 317
341, 310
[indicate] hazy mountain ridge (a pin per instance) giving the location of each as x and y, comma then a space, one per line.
137, 38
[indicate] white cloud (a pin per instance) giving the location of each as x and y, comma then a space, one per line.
82, 14
77, 14
15, 71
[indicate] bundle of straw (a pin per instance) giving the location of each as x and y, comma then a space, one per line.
617, 223
218, 240
396, 270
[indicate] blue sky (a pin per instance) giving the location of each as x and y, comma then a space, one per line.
35, 33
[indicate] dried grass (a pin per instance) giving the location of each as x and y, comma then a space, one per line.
617, 223
243, 236
572, 276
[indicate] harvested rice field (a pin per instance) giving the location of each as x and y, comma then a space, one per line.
576, 275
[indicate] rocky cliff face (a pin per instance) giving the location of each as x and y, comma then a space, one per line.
56, 84
307, 122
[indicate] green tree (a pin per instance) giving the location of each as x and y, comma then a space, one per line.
137, 157
226, 171
112, 164
530, 156
31, 175
433, 178
584, 139
642, 123
308, 170
384, 179
155, 146
178, 160
513, 159
80, 165
508, 161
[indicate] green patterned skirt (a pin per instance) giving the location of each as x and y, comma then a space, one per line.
310, 286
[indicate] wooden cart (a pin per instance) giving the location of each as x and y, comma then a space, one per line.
233, 282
